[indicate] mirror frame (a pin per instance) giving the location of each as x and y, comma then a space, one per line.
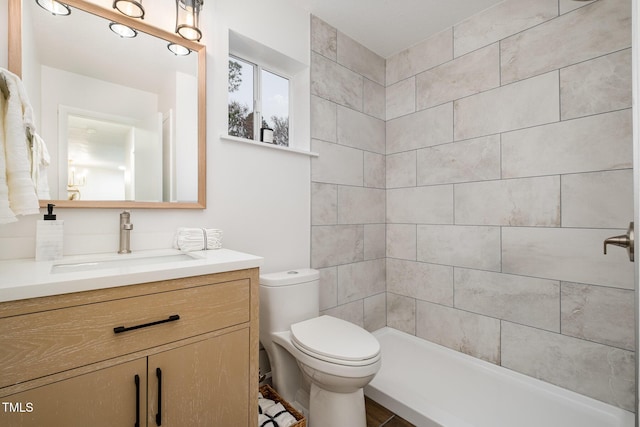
15, 66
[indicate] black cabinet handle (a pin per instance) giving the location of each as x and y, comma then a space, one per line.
137, 381
120, 329
159, 414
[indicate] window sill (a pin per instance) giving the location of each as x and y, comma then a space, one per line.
267, 145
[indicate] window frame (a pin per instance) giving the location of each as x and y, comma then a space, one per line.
257, 94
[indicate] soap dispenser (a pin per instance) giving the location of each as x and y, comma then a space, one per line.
49, 237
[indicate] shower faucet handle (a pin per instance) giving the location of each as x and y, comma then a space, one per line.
625, 241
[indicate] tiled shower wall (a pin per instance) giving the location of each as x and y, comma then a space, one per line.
508, 162
348, 178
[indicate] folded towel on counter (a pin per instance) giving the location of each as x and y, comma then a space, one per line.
198, 239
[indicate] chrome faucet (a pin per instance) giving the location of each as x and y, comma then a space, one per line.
125, 232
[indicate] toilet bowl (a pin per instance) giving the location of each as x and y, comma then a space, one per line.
336, 357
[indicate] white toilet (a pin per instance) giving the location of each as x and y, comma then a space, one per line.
336, 357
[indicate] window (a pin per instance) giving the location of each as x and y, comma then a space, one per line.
258, 100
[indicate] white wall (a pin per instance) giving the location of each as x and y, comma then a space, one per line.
259, 197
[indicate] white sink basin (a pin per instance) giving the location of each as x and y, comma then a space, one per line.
120, 261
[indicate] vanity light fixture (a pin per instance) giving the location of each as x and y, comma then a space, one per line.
131, 8
55, 7
122, 30
188, 18
178, 50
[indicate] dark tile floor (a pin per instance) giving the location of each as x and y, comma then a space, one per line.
379, 416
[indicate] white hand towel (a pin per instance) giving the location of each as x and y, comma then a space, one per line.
198, 239
39, 161
17, 118
6, 214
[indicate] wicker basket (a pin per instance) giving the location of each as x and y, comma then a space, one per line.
270, 393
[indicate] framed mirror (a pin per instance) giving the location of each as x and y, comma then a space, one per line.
123, 118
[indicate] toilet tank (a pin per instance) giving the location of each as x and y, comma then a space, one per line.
288, 297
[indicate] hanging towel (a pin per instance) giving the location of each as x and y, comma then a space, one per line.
6, 214
39, 161
17, 121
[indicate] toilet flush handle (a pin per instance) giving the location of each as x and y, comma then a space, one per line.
625, 241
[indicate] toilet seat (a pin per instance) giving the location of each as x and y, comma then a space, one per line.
336, 341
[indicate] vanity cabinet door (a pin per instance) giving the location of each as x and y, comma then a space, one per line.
104, 398
201, 384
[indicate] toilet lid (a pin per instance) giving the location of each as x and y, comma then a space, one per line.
335, 338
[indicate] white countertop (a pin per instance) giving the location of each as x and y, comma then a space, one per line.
27, 278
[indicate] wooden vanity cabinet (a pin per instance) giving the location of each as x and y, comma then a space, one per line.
173, 353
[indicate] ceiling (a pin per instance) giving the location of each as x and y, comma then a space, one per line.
390, 26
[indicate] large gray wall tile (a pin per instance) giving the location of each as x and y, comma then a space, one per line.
469, 333
591, 143
599, 371
328, 287
401, 313
357, 205
522, 104
426, 282
324, 38
358, 130
358, 58
375, 312
472, 160
374, 100
335, 82
433, 51
526, 300
401, 241
597, 199
596, 29
570, 254
401, 169
422, 129
461, 246
336, 245
472, 73
323, 119
336, 164
597, 86
324, 204
420, 205
525, 201
360, 280
401, 98
569, 5
600, 314
374, 241
500, 21
374, 170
